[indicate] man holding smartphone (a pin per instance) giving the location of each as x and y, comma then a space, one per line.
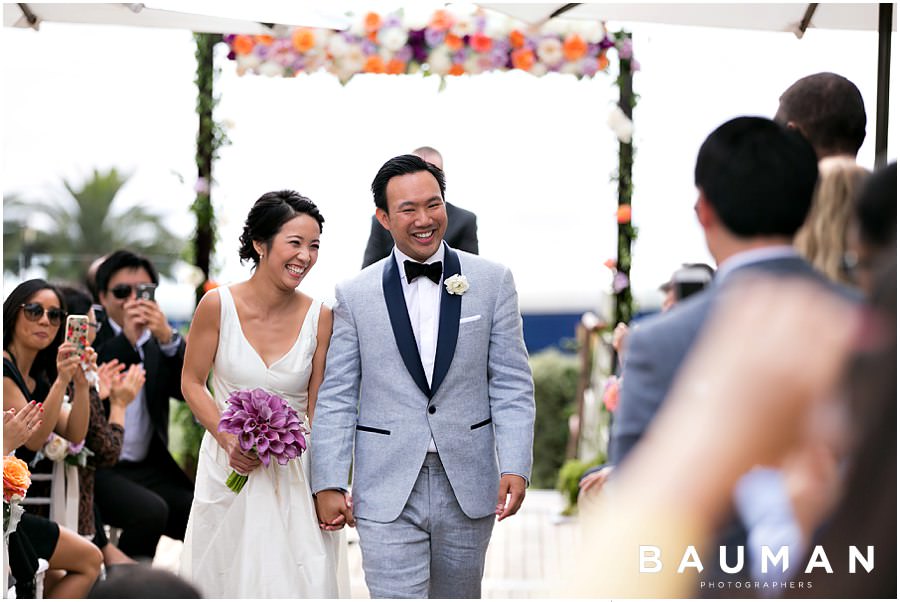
146, 493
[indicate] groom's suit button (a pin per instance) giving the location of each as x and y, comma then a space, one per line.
432, 409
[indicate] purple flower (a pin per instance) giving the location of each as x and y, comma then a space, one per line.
459, 56
392, 20
434, 37
75, 448
405, 54
265, 422
588, 66
369, 48
606, 43
625, 49
620, 282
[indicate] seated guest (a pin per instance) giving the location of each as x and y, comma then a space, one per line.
138, 581
117, 388
38, 366
146, 493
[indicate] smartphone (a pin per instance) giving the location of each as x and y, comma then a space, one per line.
145, 291
77, 332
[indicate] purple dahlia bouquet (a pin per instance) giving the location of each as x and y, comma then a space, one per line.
266, 424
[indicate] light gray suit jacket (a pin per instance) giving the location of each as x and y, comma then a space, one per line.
376, 410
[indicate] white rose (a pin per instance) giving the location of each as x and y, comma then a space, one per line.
338, 46
439, 60
57, 448
393, 38
550, 51
456, 284
620, 124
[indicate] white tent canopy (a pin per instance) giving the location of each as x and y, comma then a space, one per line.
209, 17
768, 17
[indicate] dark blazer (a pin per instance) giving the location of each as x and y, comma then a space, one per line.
462, 234
658, 345
163, 373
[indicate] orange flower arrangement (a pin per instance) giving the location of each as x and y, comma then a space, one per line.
372, 22
523, 58
303, 39
374, 64
16, 478
623, 214
574, 47
453, 42
457, 69
481, 43
242, 44
516, 38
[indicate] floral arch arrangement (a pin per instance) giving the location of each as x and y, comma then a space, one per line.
448, 43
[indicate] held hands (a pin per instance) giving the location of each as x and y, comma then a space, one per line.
510, 495
334, 509
241, 461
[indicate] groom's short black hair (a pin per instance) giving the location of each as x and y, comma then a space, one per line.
400, 166
758, 176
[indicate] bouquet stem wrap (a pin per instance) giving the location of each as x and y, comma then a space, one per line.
265, 424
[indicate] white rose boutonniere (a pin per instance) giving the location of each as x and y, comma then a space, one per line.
457, 284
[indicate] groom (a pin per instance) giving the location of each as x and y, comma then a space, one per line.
428, 395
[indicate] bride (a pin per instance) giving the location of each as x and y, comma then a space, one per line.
265, 541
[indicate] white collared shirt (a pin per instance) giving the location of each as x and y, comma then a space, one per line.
423, 303
138, 426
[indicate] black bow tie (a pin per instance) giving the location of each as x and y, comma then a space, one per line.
432, 271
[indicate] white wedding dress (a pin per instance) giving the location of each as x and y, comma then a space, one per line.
265, 541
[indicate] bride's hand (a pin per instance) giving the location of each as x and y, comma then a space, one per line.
241, 461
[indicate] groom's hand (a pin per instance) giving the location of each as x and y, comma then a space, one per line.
333, 510
510, 495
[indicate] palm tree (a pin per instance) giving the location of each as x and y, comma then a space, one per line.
83, 227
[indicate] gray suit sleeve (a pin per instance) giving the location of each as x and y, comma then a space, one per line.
334, 423
640, 397
510, 386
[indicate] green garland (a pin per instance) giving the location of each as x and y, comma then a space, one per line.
627, 233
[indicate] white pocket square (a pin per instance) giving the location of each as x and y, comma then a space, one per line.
469, 319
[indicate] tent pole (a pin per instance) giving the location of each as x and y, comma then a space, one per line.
885, 19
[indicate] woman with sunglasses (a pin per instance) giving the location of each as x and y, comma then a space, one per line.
39, 366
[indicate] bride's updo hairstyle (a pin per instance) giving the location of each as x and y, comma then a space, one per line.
268, 215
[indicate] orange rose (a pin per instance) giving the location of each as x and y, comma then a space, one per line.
623, 214
372, 22
480, 42
523, 58
453, 42
304, 39
16, 478
265, 40
374, 64
457, 69
210, 284
610, 263
574, 47
441, 20
242, 44
395, 67
602, 62
516, 38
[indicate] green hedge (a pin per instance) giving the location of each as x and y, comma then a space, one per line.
555, 388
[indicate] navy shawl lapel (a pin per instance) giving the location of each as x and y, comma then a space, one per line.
448, 325
403, 332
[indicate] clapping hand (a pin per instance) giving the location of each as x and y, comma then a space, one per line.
19, 425
106, 373
124, 386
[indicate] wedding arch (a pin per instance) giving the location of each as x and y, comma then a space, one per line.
446, 44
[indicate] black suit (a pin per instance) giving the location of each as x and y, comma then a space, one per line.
151, 497
462, 234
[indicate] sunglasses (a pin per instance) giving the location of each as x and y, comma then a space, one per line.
35, 311
123, 291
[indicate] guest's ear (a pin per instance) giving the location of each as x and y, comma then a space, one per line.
382, 216
706, 215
